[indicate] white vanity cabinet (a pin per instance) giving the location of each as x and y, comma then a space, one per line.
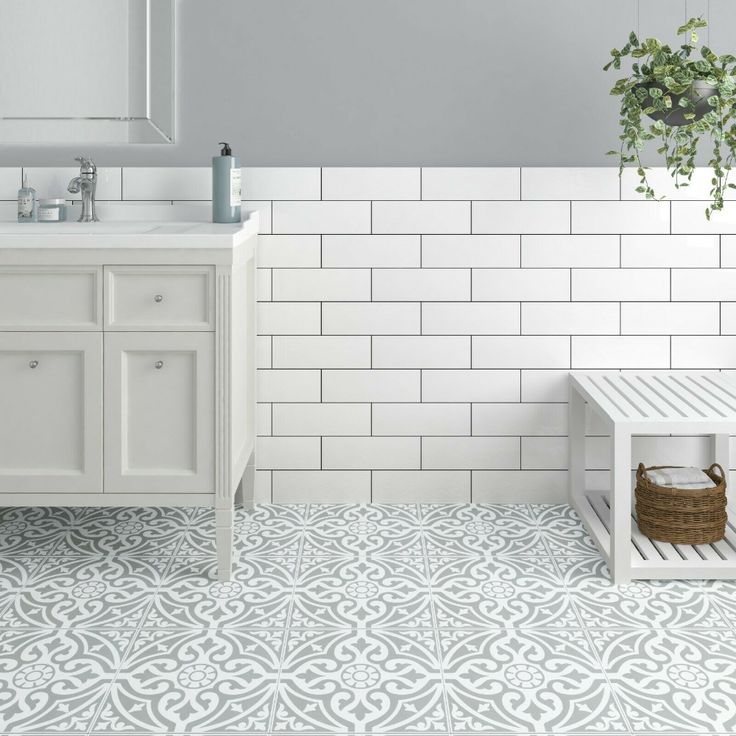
127, 367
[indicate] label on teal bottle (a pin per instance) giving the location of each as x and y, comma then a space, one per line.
236, 187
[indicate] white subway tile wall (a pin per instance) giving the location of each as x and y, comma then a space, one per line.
416, 326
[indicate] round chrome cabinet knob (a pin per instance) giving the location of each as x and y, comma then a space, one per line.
158, 298
33, 364
158, 365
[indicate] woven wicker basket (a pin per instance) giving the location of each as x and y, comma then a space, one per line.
681, 516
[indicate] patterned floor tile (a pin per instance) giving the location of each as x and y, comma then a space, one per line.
153, 532
220, 680
34, 531
53, 681
722, 593
477, 529
262, 530
563, 531
86, 592
16, 572
369, 530
526, 681
642, 603
670, 681
377, 592
499, 592
257, 596
360, 682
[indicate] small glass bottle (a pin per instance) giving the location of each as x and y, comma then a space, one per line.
27, 203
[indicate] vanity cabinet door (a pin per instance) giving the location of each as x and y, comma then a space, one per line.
50, 412
159, 412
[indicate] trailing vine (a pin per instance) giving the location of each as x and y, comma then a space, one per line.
689, 95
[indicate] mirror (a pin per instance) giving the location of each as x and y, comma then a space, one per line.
99, 71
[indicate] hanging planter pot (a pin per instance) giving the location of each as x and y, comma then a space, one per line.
677, 98
697, 96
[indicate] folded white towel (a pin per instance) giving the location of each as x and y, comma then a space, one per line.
680, 478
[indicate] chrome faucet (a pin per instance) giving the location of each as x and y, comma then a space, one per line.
86, 182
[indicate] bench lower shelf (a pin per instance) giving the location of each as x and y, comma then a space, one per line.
652, 560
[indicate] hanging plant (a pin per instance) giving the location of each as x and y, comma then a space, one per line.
688, 96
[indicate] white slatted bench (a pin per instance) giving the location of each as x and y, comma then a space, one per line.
696, 403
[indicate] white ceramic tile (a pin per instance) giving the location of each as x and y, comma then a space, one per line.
263, 284
469, 453
664, 184
421, 352
281, 182
11, 180
421, 419
289, 251
467, 182
321, 217
625, 285
262, 487
521, 352
263, 208
669, 318
689, 217
544, 385
521, 284
452, 318
466, 251
621, 217
52, 182
421, 486
167, 182
519, 486
698, 352
519, 419
571, 318
702, 285
328, 285
728, 251
570, 251
421, 217
521, 217
321, 352
728, 319
569, 183
288, 385
620, 352
470, 385
371, 251
263, 351
669, 251
321, 486
544, 453
374, 318
384, 453
321, 419
263, 419
371, 385
425, 284
299, 453
288, 318
375, 182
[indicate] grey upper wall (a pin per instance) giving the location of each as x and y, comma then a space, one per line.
398, 82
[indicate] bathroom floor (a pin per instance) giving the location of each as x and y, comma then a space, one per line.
443, 619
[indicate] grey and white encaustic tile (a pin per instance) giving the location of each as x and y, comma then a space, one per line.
451, 619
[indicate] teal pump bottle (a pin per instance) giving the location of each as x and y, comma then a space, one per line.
226, 186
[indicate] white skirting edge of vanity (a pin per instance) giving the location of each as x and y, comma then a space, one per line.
127, 366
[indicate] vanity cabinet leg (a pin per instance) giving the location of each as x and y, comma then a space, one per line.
224, 541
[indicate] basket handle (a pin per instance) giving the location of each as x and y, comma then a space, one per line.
720, 470
640, 471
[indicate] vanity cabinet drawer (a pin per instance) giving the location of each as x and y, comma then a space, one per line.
49, 298
167, 298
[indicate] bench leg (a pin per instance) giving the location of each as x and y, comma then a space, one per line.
722, 452
576, 446
620, 561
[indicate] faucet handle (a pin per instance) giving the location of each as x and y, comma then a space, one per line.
86, 165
